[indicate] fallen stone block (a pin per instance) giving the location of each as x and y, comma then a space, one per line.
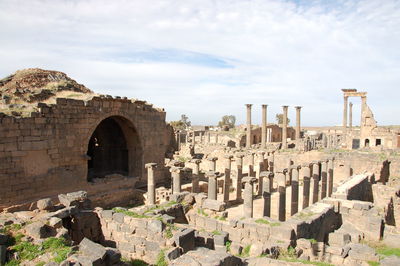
155, 226
214, 205
185, 239
390, 261
221, 238
45, 204
78, 199
39, 230
93, 250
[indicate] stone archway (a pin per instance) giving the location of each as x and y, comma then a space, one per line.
114, 148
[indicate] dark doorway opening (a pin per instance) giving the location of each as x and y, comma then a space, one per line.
108, 150
356, 144
378, 142
366, 142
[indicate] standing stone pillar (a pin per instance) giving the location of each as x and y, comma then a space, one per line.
239, 171
314, 182
266, 191
284, 127
248, 126
295, 191
271, 161
248, 196
196, 176
264, 126
330, 176
251, 164
212, 185
213, 163
259, 169
193, 138
179, 139
216, 138
345, 104
208, 137
288, 172
151, 188
306, 173
298, 127
227, 177
280, 177
350, 115
363, 108
201, 137
324, 178
176, 179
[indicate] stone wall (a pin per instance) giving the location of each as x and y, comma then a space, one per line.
46, 154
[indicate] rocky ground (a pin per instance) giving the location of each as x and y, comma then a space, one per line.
21, 91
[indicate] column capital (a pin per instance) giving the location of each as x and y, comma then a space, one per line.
212, 159
266, 174
228, 156
298, 107
285, 106
249, 105
150, 165
264, 105
249, 179
240, 155
196, 161
175, 169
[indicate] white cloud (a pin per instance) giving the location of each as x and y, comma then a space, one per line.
279, 52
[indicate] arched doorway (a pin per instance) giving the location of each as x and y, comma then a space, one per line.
366, 142
114, 148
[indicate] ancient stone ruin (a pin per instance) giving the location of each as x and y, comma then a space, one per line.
106, 181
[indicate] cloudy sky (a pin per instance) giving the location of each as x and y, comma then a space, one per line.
207, 58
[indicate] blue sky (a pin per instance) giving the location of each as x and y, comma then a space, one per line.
207, 58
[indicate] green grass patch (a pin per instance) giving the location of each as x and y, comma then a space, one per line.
202, 212
161, 261
304, 214
313, 241
169, 229
228, 245
373, 263
318, 263
220, 218
263, 221
129, 213
135, 262
387, 251
216, 233
245, 252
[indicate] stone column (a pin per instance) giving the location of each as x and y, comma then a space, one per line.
345, 104
271, 161
239, 171
330, 176
227, 177
324, 178
306, 173
284, 127
208, 137
216, 138
264, 126
314, 182
350, 115
295, 191
176, 179
347, 170
298, 128
266, 191
212, 185
151, 188
248, 126
248, 196
280, 177
194, 138
213, 163
251, 164
260, 168
201, 137
179, 140
195, 179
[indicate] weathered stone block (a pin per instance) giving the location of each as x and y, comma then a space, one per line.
92, 249
214, 205
221, 238
78, 199
185, 239
155, 226
45, 204
39, 230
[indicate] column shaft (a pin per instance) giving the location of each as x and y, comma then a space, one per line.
264, 126
248, 126
284, 127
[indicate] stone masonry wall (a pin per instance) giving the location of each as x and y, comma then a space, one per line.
45, 154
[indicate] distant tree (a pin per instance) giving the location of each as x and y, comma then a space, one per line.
185, 120
227, 121
181, 124
279, 119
